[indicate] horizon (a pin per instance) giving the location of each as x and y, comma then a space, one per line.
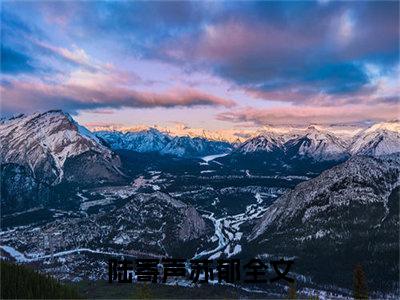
217, 66
233, 135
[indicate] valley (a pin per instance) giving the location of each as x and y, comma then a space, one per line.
77, 199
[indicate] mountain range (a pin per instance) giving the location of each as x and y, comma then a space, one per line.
327, 201
313, 142
152, 140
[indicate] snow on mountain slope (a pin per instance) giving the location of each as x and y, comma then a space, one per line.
267, 142
346, 216
195, 147
43, 142
149, 140
379, 139
152, 140
358, 179
311, 143
318, 145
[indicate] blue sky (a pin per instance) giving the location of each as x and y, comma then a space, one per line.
205, 64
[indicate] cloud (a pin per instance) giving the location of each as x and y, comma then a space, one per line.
73, 94
315, 49
303, 53
76, 56
308, 115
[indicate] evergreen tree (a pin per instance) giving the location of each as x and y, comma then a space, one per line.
22, 282
359, 283
292, 292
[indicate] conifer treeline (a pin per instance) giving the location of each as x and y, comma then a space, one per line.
22, 282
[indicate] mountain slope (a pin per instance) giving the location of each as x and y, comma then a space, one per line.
379, 139
144, 223
312, 144
268, 142
195, 147
44, 150
45, 143
318, 145
152, 140
345, 216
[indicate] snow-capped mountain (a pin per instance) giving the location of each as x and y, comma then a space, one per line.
49, 144
195, 147
320, 144
379, 139
152, 140
311, 143
268, 142
149, 140
317, 145
347, 215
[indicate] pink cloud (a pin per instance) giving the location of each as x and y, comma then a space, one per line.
300, 115
233, 39
303, 95
22, 96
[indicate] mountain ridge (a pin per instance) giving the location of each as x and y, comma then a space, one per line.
43, 142
351, 208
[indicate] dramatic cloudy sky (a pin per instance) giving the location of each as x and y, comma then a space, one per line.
206, 64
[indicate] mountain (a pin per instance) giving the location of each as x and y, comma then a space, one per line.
306, 152
268, 142
46, 149
317, 145
50, 143
313, 143
195, 147
347, 215
321, 144
147, 224
152, 140
379, 139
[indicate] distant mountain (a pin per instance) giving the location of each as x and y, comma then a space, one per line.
312, 143
347, 215
304, 152
379, 139
152, 140
318, 145
195, 147
268, 142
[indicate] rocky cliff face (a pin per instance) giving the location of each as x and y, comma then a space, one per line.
192, 225
345, 216
43, 150
45, 142
20, 190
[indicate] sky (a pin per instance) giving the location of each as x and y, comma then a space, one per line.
208, 64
